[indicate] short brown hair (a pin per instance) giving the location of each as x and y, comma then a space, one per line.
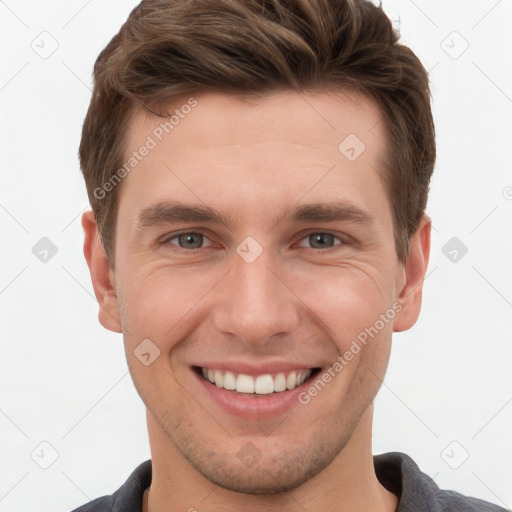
170, 48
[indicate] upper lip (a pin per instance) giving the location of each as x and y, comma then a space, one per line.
247, 368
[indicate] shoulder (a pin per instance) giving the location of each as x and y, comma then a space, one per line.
418, 492
128, 498
455, 502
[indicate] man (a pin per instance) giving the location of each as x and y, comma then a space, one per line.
258, 174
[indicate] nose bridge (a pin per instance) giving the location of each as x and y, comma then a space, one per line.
255, 304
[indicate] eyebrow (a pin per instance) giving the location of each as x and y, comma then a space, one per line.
165, 213
330, 212
169, 212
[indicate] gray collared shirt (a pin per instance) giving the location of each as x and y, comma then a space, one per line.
396, 471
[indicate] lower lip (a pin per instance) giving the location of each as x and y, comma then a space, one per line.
253, 406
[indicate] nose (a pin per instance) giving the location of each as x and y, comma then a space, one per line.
256, 304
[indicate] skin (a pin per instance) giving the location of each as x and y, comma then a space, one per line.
253, 160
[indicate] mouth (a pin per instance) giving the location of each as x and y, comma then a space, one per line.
265, 384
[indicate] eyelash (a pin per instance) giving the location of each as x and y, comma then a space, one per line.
342, 239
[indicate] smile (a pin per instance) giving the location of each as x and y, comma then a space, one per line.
264, 384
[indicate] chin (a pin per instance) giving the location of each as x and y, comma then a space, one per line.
278, 469
263, 478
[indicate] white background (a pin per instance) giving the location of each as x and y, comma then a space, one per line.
64, 378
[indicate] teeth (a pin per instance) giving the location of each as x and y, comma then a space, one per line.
261, 385
245, 384
280, 382
229, 381
264, 385
291, 380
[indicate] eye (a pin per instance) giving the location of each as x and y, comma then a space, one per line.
190, 240
321, 240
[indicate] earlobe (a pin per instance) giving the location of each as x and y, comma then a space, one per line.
415, 268
102, 276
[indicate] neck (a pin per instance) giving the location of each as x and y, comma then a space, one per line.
349, 483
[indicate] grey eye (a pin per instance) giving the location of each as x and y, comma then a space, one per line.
321, 240
189, 240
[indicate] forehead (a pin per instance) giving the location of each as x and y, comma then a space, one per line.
287, 116
214, 146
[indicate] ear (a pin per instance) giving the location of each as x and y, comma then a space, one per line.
414, 270
103, 279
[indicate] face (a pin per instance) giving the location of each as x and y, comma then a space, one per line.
253, 253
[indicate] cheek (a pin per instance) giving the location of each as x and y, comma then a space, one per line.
156, 303
350, 301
